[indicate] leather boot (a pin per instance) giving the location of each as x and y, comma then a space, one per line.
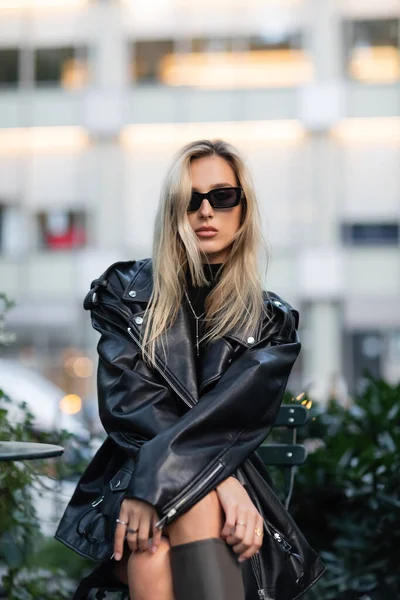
206, 570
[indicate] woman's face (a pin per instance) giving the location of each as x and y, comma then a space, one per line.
208, 173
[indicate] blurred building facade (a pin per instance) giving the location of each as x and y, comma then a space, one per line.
96, 96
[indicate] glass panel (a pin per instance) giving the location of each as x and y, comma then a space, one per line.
212, 44
13, 238
373, 50
66, 67
276, 41
62, 230
275, 60
360, 234
8, 67
148, 58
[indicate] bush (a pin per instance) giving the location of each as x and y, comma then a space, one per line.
347, 495
21, 542
22, 546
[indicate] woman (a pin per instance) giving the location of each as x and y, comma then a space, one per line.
193, 362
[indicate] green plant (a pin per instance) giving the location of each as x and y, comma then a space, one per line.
347, 494
19, 526
20, 535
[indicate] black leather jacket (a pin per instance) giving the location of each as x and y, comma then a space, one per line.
186, 436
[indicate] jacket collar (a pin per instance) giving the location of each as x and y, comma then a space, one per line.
179, 360
141, 287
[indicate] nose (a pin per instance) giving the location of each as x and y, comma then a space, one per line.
206, 210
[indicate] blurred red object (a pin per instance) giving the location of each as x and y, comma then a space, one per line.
73, 237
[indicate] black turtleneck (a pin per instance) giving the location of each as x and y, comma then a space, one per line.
198, 295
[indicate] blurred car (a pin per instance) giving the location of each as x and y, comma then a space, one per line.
42, 397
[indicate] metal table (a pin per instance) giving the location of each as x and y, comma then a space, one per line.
28, 451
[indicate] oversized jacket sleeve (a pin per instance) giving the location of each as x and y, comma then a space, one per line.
134, 404
224, 427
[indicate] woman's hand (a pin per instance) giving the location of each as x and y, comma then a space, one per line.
242, 520
138, 520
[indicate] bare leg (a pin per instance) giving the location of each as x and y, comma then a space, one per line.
203, 521
149, 575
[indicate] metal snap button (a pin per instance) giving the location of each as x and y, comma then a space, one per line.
139, 320
250, 340
132, 294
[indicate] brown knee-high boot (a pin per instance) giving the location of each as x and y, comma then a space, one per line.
206, 570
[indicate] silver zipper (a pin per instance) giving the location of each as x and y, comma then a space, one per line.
172, 511
279, 538
171, 384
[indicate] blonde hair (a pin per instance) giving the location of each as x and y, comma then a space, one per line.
236, 300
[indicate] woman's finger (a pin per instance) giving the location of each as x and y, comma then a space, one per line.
132, 533
248, 537
156, 537
119, 536
256, 542
230, 520
144, 532
239, 531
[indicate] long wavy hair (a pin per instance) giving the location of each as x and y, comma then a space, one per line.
236, 300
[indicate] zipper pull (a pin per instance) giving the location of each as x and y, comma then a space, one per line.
162, 521
98, 501
285, 544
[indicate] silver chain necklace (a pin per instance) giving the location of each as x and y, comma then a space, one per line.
197, 319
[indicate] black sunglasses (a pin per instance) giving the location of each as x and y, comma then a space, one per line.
227, 197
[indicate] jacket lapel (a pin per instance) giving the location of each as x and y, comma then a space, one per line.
174, 349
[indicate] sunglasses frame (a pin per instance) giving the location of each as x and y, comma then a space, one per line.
239, 195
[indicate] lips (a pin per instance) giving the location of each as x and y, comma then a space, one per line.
206, 229
206, 232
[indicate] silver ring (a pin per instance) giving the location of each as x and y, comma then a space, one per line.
121, 522
240, 523
132, 530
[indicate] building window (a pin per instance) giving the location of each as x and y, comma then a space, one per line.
149, 57
66, 67
371, 234
373, 50
9, 58
225, 62
218, 44
13, 236
62, 229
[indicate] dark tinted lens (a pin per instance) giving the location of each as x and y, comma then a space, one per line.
195, 202
224, 198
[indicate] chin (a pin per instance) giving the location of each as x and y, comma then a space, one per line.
211, 245
216, 251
